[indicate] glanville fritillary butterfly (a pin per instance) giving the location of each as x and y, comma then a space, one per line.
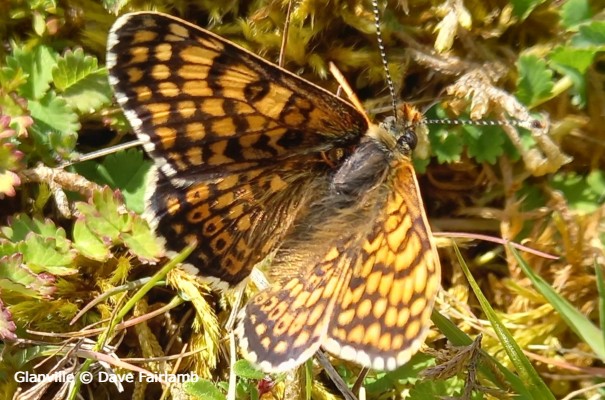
251, 161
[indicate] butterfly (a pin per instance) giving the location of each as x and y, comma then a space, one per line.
253, 161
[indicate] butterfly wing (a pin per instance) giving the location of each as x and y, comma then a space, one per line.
235, 138
281, 327
383, 315
365, 273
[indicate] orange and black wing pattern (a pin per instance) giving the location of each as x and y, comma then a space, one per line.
253, 160
368, 272
383, 314
236, 140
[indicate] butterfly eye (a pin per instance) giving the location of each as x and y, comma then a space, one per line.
408, 140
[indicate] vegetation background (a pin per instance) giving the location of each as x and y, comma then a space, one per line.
72, 236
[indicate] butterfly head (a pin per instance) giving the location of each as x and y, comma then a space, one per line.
403, 133
399, 134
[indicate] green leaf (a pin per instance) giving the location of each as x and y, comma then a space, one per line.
596, 182
105, 222
204, 390
447, 145
535, 385
244, 369
142, 242
435, 389
522, 8
406, 374
103, 215
37, 63
583, 194
16, 277
591, 35
7, 248
574, 318
485, 144
574, 12
112, 172
81, 82
89, 244
43, 255
535, 80
572, 57
22, 224
573, 63
55, 124
109, 204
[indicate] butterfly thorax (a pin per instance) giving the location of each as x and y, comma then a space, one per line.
367, 167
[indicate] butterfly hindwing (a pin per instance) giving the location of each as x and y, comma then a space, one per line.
236, 220
384, 313
281, 327
370, 232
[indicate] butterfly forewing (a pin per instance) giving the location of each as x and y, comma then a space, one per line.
208, 107
235, 139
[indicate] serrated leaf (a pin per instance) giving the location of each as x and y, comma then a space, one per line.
105, 230
437, 389
573, 63
446, 145
7, 326
7, 248
81, 82
37, 63
591, 35
142, 242
132, 184
535, 80
55, 123
16, 277
111, 208
522, 8
574, 12
484, 144
203, 389
578, 59
244, 369
42, 255
22, 224
103, 217
89, 244
112, 172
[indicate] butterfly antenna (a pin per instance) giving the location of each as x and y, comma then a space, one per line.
532, 124
383, 56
